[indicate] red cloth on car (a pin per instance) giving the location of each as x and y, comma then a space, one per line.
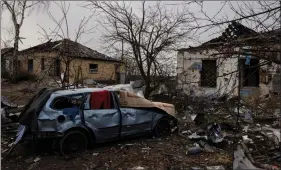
100, 100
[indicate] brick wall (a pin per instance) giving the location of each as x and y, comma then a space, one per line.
106, 69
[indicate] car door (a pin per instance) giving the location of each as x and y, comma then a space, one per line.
135, 120
104, 120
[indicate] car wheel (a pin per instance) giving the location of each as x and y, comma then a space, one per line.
162, 128
73, 142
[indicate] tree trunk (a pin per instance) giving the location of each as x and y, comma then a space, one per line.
147, 87
147, 91
68, 71
15, 53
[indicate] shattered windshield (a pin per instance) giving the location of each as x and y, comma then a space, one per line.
63, 102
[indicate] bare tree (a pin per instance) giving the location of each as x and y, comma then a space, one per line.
18, 10
7, 39
262, 17
147, 35
62, 31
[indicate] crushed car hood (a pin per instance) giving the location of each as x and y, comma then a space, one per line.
129, 99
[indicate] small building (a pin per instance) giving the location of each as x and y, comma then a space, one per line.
212, 68
53, 59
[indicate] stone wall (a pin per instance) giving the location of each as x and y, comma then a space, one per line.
189, 65
107, 70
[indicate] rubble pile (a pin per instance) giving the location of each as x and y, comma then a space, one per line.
245, 126
261, 145
9, 111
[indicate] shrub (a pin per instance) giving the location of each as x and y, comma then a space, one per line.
21, 76
5, 75
25, 76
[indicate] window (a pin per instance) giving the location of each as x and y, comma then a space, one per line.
93, 68
42, 64
63, 102
101, 100
250, 74
57, 67
208, 73
30, 65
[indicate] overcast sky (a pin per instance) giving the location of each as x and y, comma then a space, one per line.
30, 29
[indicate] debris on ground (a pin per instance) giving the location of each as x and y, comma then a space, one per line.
217, 128
9, 111
95, 154
194, 150
138, 168
215, 168
5, 102
259, 142
241, 161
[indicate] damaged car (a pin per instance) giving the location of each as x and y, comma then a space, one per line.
79, 118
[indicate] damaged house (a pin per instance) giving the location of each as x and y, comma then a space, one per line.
53, 57
212, 68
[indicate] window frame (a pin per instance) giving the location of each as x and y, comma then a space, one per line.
86, 97
208, 86
69, 96
113, 98
28, 65
244, 77
93, 72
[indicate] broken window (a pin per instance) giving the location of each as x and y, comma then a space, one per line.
250, 73
208, 73
87, 102
30, 65
101, 100
42, 64
63, 102
93, 68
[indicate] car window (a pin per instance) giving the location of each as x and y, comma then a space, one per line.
63, 102
87, 102
99, 100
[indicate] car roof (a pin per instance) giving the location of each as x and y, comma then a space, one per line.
77, 91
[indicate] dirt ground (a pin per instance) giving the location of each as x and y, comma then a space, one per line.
151, 153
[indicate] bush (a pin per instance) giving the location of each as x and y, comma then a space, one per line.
5, 75
25, 76
21, 76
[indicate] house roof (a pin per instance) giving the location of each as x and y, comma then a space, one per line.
271, 35
274, 32
234, 31
69, 48
6, 50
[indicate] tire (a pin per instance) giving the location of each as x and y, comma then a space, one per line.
73, 142
162, 128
